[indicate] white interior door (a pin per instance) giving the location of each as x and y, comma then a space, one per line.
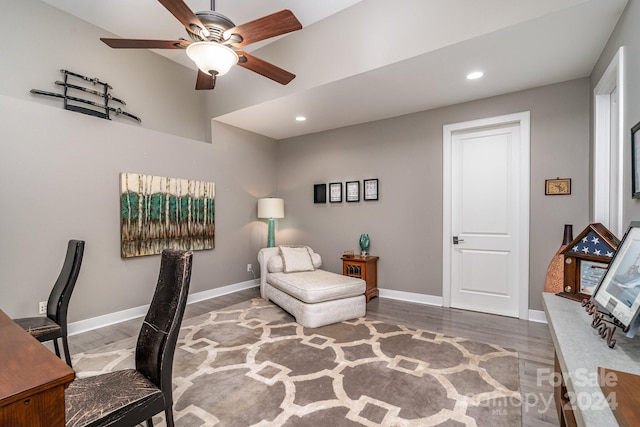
486, 217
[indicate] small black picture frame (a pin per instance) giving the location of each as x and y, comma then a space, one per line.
370, 189
353, 191
335, 192
635, 161
320, 193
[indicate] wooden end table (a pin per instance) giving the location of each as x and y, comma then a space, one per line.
365, 268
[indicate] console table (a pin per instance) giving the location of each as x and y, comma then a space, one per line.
32, 379
579, 352
365, 268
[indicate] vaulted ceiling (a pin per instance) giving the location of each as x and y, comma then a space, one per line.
363, 60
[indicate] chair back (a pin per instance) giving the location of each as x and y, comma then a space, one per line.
159, 333
58, 303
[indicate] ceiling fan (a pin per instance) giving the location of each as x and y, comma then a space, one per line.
213, 35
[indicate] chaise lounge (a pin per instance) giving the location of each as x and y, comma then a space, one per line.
290, 276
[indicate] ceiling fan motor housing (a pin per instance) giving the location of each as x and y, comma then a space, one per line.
213, 21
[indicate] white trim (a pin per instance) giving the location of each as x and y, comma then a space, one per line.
523, 119
133, 313
537, 316
411, 297
612, 78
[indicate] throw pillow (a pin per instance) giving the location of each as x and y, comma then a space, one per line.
296, 259
275, 264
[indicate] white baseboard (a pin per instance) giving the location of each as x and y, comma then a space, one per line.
411, 297
132, 313
537, 316
534, 315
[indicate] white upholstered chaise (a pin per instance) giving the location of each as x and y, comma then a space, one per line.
313, 296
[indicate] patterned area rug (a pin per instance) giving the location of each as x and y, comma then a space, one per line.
251, 365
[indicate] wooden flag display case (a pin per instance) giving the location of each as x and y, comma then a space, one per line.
586, 260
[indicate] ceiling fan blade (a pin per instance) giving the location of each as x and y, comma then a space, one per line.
205, 81
181, 11
264, 68
145, 44
263, 28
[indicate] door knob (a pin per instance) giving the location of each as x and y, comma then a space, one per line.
457, 240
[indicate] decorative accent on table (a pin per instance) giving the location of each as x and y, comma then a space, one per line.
364, 244
348, 253
635, 161
554, 281
557, 187
606, 328
320, 193
104, 109
585, 260
370, 189
335, 192
619, 291
353, 191
158, 213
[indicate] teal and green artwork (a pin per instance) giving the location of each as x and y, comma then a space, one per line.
158, 213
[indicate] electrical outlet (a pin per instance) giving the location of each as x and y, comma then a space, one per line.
42, 307
249, 268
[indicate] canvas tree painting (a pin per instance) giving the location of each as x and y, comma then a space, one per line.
158, 213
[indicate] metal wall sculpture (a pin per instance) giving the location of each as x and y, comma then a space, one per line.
158, 213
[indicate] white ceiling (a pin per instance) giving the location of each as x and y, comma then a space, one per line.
363, 60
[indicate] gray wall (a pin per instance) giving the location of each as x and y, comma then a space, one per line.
405, 154
60, 169
626, 33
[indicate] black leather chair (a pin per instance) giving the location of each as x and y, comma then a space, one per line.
129, 397
54, 325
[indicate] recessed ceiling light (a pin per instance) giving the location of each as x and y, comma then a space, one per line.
300, 118
475, 75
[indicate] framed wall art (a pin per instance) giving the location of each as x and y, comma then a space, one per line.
158, 213
353, 191
335, 192
370, 189
635, 161
320, 193
619, 290
557, 187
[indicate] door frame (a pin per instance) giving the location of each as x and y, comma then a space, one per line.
522, 119
604, 166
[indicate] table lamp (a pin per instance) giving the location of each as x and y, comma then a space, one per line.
271, 208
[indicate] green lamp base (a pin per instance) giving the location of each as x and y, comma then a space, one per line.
271, 240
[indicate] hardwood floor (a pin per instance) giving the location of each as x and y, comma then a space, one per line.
531, 340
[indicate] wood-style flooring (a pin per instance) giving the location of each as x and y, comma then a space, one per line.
531, 340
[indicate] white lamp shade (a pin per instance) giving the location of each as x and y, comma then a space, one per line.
212, 58
270, 208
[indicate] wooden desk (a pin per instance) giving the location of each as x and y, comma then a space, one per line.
32, 379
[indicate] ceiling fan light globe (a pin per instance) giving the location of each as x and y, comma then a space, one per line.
212, 58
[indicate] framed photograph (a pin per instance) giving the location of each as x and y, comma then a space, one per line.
591, 274
353, 191
557, 187
619, 290
370, 189
635, 161
335, 192
320, 193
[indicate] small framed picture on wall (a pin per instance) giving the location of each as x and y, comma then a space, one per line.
353, 191
335, 192
635, 161
370, 189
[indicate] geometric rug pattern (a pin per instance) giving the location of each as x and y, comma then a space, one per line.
252, 365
